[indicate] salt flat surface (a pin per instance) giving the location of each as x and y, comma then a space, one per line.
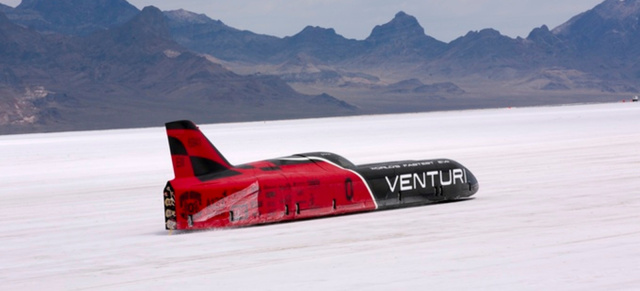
558, 208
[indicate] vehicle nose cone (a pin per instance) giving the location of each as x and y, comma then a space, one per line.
472, 181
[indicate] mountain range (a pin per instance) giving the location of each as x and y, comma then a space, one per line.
74, 64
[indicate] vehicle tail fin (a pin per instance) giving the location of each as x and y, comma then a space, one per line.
192, 153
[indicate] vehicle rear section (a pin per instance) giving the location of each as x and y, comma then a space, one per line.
195, 161
170, 220
266, 192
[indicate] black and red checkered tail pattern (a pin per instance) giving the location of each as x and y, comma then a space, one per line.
192, 154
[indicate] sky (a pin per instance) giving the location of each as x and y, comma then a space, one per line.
445, 20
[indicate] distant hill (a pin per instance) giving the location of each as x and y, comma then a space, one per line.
605, 40
202, 34
75, 64
129, 76
592, 54
75, 17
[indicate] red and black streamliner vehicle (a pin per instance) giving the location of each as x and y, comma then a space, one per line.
209, 192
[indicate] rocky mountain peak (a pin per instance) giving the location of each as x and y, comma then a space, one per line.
482, 35
5, 8
89, 7
149, 22
317, 30
540, 30
77, 17
318, 42
403, 37
489, 33
619, 9
541, 34
609, 15
184, 16
610, 28
402, 26
316, 33
145, 35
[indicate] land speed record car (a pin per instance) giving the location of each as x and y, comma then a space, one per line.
209, 192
